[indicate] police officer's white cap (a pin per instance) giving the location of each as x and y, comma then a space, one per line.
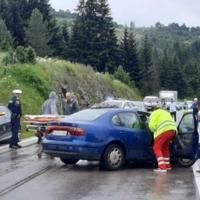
17, 92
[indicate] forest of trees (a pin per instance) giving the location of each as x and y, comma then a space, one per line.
165, 57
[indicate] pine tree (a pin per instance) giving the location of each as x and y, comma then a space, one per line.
133, 62
129, 57
78, 38
15, 23
93, 36
146, 67
57, 42
106, 42
38, 35
6, 40
124, 50
65, 33
179, 81
192, 74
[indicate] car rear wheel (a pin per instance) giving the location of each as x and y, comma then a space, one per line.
69, 161
182, 162
113, 157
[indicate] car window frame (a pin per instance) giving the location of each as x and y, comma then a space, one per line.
121, 125
180, 132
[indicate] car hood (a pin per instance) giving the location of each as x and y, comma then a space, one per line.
5, 118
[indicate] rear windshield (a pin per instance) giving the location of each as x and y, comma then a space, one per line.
87, 115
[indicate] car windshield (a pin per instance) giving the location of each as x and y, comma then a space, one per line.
87, 115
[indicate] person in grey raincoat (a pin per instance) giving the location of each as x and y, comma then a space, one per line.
49, 107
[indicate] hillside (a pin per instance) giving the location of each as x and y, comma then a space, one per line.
36, 81
160, 35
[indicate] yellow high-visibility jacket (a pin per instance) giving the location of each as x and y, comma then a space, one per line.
161, 121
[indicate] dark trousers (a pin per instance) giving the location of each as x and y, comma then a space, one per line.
15, 125
173, 114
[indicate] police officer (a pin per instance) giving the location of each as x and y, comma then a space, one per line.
16, 113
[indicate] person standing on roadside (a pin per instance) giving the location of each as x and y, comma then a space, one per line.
172, 108
49, 107
14, 106
164, 130
194, 108
70, 104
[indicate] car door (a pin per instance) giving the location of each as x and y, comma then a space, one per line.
133, 135
185, 144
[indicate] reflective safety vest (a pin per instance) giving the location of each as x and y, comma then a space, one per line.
161, 121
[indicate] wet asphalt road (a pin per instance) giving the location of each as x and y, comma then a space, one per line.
24, 176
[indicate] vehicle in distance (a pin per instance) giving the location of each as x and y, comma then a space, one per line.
113, 136
187, 104
150, 102
116, 103
5, 126
168, 95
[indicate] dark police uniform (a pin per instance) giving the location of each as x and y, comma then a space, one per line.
16, 112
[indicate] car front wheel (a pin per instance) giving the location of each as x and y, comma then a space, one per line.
182, 162
69, 161
113, 157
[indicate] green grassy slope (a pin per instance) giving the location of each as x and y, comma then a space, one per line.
36, 81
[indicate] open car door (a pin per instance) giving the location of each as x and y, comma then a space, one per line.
185, 145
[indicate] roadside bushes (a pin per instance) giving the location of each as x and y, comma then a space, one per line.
20, 55
123, 76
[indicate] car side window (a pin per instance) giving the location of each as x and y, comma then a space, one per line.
129, 120
187, 124
126, 105
130, 105
116, 120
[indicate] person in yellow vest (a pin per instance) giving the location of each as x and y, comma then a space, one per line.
164, 130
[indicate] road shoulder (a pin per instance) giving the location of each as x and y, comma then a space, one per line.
196, 167
25, 142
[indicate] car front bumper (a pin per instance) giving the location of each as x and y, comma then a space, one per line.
5, 136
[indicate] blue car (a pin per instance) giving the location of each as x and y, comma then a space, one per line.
113, 136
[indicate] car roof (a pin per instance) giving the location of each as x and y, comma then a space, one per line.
121, 110
117, 100
151, 97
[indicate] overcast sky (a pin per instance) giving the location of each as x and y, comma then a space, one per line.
146, 12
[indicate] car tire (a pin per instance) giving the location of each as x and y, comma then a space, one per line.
182, 162
69, 161
113, 157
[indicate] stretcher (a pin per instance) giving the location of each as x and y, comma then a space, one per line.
38, 124
2, 113
35, 122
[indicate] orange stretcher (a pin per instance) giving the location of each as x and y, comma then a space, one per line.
38, 123
2, 113
33, 122
41, 118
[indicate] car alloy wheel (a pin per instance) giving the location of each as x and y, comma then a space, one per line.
182, 162
113, 157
